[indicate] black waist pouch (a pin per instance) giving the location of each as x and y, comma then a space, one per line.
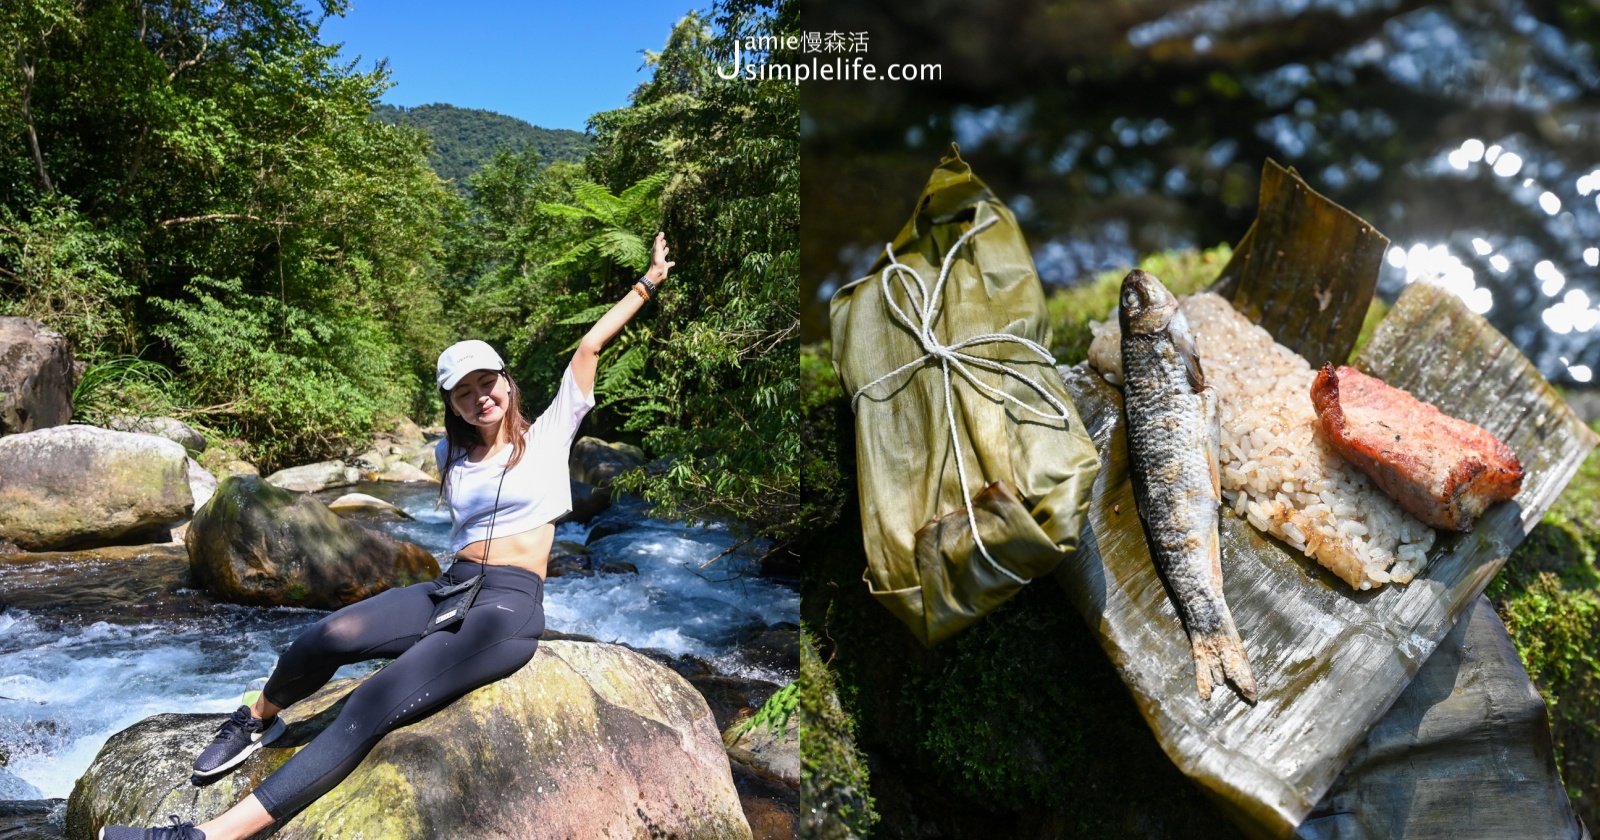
451, 604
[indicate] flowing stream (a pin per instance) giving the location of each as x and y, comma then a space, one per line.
90, 648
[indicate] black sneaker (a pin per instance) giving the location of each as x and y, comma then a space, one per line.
176, 831
238, 737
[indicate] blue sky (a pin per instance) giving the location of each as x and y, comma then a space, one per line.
550, 63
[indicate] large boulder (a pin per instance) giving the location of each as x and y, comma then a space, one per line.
78, 485
594, 461
170, 428
36, 377
587, 740
314, 477
261, 545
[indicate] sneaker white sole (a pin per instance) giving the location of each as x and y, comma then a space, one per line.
276, 729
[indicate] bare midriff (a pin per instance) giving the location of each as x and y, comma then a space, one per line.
528, 550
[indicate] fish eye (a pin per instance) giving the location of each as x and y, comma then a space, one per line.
1130, 299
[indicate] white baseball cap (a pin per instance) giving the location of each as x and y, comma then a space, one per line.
464, 357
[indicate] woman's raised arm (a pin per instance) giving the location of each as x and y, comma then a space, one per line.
587, 358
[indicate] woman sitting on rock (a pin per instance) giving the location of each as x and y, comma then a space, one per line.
506, 481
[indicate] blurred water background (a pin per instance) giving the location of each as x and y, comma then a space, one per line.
1467, 132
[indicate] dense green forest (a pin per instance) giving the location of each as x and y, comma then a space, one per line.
464, 139
199, 198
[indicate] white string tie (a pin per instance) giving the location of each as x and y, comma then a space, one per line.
951, 356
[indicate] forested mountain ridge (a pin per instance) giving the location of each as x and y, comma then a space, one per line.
464, 139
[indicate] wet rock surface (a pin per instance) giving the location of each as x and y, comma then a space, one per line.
119, 584
730, 697
588, 502
569, 558
82, 485
260, 545
771, 807
33, 819
588, 740
776, 648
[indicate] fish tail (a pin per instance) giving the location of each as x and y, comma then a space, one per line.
1220, 657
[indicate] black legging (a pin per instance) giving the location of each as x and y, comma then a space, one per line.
498, 636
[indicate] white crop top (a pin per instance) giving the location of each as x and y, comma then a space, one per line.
536, 490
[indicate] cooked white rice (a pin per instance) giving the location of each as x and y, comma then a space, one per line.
1278, 469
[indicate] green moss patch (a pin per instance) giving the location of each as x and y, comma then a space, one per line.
1548, 594
833, 776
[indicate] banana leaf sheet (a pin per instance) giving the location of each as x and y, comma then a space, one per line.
922, 355
1464, 754
1330, 661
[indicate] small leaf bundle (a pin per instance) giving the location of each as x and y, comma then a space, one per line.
958, 419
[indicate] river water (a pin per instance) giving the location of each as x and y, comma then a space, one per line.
132, 642
1467, 132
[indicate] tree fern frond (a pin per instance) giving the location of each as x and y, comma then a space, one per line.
587, 316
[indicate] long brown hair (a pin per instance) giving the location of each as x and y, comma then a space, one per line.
462, 436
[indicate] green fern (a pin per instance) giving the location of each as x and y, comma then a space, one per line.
773, 715
613, 226
587, 316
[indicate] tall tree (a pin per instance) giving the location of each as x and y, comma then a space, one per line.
265, 237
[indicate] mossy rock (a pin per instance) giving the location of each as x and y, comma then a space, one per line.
82, 485
587, 740
257, 544
833, 774
595, 462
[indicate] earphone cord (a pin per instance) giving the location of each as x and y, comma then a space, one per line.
495, 511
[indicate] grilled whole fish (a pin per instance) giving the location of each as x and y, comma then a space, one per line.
1173, 443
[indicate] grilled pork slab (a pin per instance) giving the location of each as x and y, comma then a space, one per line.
1443, 471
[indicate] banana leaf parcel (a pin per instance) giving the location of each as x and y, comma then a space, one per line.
1329, 660
974, 466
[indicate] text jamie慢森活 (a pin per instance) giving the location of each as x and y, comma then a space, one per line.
750, 60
